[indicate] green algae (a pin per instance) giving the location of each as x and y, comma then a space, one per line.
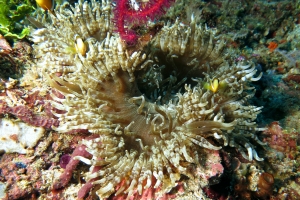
12, 12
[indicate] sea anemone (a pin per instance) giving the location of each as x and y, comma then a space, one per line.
152, 109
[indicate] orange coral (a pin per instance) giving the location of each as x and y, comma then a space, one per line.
265, 185
272, 46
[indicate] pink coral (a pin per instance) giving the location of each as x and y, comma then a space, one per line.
26, 115
137, 13
70, 167
280, 140
16, 174
151, 193
213, 167
24, 108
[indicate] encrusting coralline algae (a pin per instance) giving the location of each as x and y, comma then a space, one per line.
141, 141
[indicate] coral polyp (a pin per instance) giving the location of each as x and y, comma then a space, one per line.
144, 139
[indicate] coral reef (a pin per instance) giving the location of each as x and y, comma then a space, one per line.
283, 160
13, 59
16, 136
137, 12
170, 116
148, 140
281, 141
254, 184
27, 107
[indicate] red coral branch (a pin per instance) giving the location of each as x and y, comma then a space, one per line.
85, 189
67, 175
30, 108
71, 166
26, 115
124, 12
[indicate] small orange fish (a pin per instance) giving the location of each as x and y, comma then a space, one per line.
47, 5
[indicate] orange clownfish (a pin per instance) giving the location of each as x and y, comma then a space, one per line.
47, 5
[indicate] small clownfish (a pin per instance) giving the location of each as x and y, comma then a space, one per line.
214, 85
80, 46
47, 5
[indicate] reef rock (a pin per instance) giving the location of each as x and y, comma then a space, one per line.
18, 137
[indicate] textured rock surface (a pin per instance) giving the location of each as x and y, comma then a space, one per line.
18, 137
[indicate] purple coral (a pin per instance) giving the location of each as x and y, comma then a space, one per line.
64, 160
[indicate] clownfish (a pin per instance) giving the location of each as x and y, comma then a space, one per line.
214, 85
47, 5
80, 46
